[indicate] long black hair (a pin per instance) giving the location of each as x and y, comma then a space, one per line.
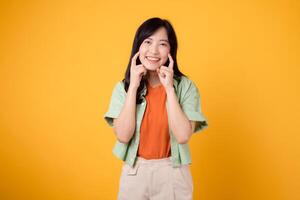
144, 31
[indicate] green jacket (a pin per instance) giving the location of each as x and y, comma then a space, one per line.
189, 99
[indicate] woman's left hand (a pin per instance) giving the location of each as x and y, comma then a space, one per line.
165, 74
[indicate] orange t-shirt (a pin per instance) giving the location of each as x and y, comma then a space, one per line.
154, 131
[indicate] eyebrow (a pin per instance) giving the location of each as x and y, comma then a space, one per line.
160, 40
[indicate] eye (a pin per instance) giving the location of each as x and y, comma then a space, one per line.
164, 44
147, 41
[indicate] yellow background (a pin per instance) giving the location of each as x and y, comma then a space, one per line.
59, 61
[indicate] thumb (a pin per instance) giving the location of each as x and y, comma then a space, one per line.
159, 74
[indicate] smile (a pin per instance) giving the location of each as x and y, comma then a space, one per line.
152, 59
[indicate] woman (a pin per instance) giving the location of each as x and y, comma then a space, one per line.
154, 111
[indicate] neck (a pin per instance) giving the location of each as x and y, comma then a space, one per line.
152, 78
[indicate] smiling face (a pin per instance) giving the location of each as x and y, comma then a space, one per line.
154, 50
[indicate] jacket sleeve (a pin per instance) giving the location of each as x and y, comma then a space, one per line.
117, 101
191, 106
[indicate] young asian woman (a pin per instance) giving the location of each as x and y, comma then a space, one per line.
154, 111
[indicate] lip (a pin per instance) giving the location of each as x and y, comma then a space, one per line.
152, 61
152, 57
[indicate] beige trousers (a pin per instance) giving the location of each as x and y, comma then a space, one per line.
155, 180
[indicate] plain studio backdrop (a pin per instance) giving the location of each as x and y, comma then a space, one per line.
59, 61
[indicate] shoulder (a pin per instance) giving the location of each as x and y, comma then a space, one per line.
119, 90
186, 83
119, 86
119, 83
187, 89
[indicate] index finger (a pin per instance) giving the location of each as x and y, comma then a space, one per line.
133, 60
171, 61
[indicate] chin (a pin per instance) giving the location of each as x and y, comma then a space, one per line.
152, 67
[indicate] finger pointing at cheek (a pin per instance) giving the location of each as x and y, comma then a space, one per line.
171, 61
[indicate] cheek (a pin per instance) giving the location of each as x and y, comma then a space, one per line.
164, 55
164, 52
142, 51
142, 48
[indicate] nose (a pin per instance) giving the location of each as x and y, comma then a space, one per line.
153, 49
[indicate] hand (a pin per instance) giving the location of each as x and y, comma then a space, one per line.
136, 72
165, 74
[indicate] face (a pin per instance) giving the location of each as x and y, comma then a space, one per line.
154, 50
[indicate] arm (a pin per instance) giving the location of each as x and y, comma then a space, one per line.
180, 125
124, 125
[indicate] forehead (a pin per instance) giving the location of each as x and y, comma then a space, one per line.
160, 34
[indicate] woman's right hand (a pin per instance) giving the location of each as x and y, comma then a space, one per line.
136, 72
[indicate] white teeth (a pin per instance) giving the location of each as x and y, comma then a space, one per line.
154, 59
